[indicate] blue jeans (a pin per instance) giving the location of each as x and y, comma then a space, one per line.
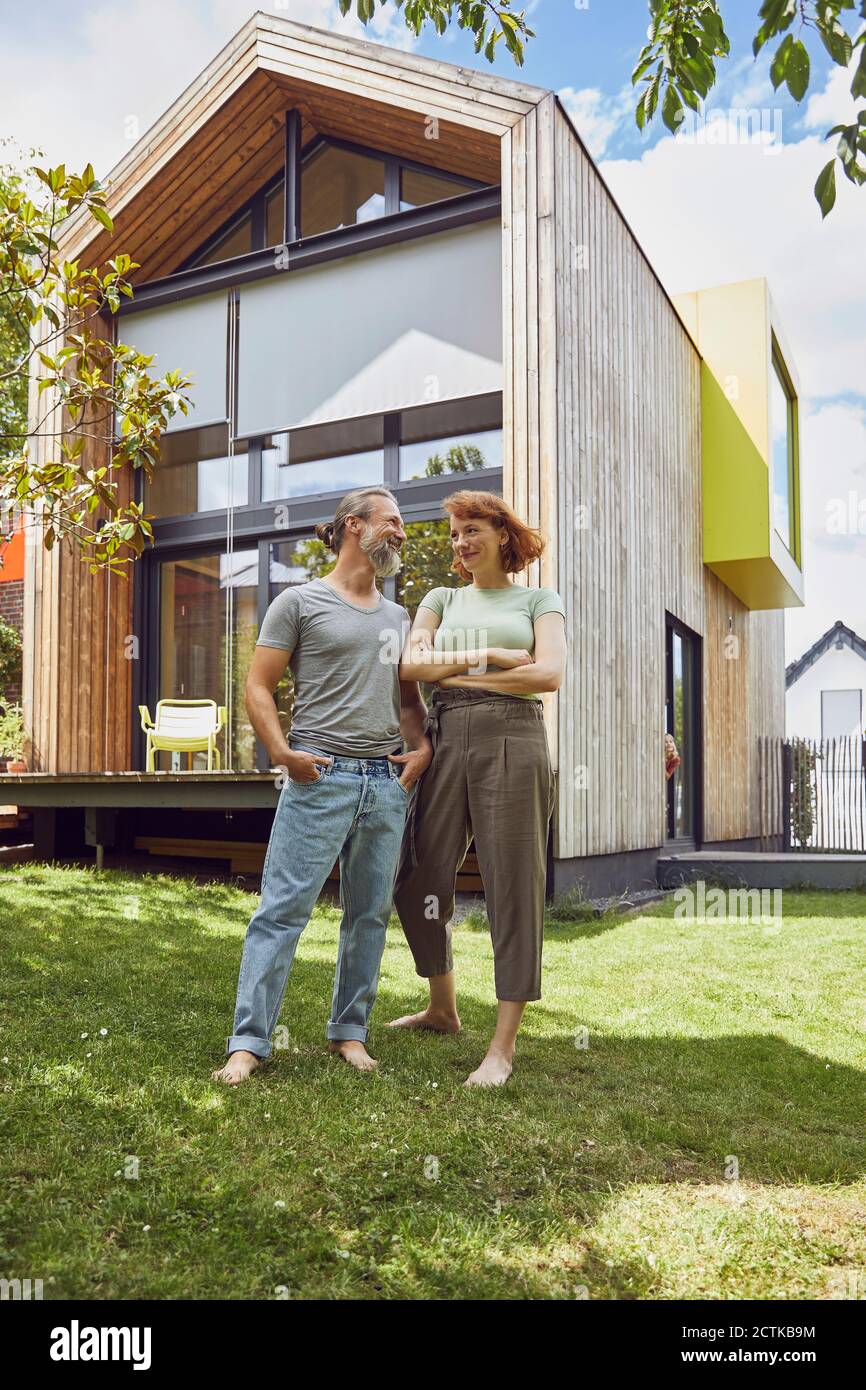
354, 812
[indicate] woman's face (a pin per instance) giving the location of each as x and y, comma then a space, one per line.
477, 544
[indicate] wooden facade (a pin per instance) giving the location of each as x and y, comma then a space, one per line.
601, 424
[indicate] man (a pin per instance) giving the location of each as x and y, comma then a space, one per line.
345, 796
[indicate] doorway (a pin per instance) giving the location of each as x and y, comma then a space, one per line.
683, 686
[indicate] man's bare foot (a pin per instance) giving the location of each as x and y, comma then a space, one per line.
355, 1053
494, 1071
428, 1020
238, 1067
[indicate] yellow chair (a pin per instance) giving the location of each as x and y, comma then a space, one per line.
183, 726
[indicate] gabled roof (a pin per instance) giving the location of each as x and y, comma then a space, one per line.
224, 136
836, 636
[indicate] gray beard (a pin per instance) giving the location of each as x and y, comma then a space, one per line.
383, 557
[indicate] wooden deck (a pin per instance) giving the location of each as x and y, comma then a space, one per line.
102, 794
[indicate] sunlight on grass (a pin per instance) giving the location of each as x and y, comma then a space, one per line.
660, 1051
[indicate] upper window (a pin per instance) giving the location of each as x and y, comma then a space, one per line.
196, 474
419, 187
341, 186
454, 437
783, 449
237, 241
323, 458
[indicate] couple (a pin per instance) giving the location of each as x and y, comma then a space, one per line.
477, 766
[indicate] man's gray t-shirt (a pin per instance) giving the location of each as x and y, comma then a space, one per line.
344, 663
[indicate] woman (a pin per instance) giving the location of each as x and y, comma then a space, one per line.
492, 647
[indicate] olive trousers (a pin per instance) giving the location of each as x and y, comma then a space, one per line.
491, 779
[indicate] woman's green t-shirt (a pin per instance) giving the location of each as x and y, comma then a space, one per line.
473, 618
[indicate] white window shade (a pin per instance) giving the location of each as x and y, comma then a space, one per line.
190, 337
379, 331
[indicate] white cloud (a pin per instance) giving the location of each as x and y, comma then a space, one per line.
596, 115
835, 105
833, 466
74, 99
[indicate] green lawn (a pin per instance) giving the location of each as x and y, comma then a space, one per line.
599, 1171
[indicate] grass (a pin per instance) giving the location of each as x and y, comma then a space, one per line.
600, 1171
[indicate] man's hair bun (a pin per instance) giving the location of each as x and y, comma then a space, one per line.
325, 533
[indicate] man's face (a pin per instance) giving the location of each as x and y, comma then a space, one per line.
382, 538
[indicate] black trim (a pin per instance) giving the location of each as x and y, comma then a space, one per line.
292, 179
481, 205
418, 501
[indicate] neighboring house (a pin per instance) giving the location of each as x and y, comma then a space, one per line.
458, 301
826, 687
12, 593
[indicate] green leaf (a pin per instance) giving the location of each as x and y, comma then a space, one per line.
836, 40
825, 188
672, 108
102, 217
780, 62
797, 70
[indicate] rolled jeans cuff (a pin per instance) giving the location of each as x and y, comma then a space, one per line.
346, 1032
259, 1047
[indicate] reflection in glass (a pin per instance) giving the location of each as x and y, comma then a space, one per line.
454, 454
427, 559
456, 436
194, 596
781, 413
195, 474
682, 787
340, 188
417, 188
324, 458
290, 563
274, 216
238, 240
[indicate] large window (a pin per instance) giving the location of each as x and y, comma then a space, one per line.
195, 474
456, 437
205, 654
326, 458
237, 241
342, 185
347, 372
783, 448
340, 188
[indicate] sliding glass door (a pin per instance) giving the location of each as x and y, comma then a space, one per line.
208, 624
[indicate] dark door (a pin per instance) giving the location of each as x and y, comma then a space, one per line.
683, 722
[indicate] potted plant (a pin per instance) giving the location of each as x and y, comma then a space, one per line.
12, 737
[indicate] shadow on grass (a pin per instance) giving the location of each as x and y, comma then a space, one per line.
594, 1122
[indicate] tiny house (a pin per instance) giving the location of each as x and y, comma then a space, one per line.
383, 268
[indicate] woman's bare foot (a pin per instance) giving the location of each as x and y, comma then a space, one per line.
494, 1071
429, 1019
238, 1067
355, 1053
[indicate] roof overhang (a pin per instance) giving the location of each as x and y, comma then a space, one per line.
225, 135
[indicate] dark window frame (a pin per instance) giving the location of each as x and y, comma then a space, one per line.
675, 625
253, 523
148, 594
777, 365
290, 177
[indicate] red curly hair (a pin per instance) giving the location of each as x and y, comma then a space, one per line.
525, 544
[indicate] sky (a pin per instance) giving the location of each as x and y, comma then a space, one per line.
84, 81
